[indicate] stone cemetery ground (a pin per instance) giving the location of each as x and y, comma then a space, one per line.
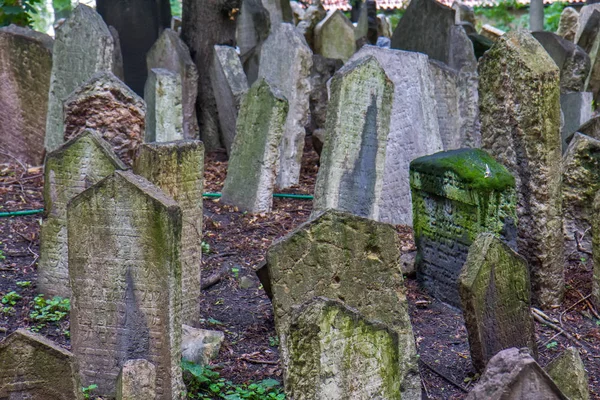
234, 302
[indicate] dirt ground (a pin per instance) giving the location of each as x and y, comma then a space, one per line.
238, 243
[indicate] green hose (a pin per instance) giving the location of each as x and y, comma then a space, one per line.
22, 212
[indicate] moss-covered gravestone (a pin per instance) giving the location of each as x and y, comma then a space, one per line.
164, 115
596, 251
178, 169
69, 170
496, 300
352, 168
351, 259
568, 372
336, 353
124, 248
457, 195
34, 368
254, 156
334, 36
107, 105
520, 127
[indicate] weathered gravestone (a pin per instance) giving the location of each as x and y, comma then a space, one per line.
526, 139
252, 169
229, 84
164, 114
568, 23
285, 62
457, 195
491, 32
106, 105
336, 353
252, 29
576, 108
169, 52
83, 46
334, 36
69, 170
585, 14
321, 72
25, 65
596, 252
568, 372
124, 247
352, 168
310, 19
279, 11
137, 381
347, 258
589, 40
178, 169
34, 368
495, 296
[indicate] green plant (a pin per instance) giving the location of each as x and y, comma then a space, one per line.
7, 310
552, 16
274, 341
11, 298
23, 284
87, 391
53, 310
205, 248
552, 345
236, 272
18, 12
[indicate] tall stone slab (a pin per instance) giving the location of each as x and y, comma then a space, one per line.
351, 176
164, 114
253, 26
568, 23
457, 195
526, 139
310, 19
344, 257
325, 338
596, 253
124, 246
69, 170
285, 62
589, 40
585, 14
137, 381
169, 52
495, 295
33, 367
334, 36
254, 159
178, 169
83, 46
322, 71
279, 11
576, 109
25, 66
568, 372
229, 84
106, 105
413, 128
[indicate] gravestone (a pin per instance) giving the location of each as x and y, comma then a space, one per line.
457, 195
585, 14
310, 19
351, 176
589, 41
491, 32
126, 301
285, 62
526, 139
346, 258
568, 372
596, 252
253, 26
568, 23
83, 46
229, 84
177, 168
25, 65
581, 181
137, 381
576, 108
325, 338
513, 374
279, 11
106, 105
34, 368
321, 72
69, 170
334, 36
495, 295
169, 52
591, 128
164, 114
252, 168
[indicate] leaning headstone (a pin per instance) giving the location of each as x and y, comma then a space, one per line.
568, 23
126, 301
106, 105
34, 368
321, 72
285, 62
83, 46
581, 181
457, 195
585, 14
589, 41
325, 337
526, 139
279, 11
229, 84
334, 36
590, 128
164, 115
178, 169
351, 176
252, 29
347, 258
169, 52
252, 169
25, 65
68, 171
576, 108
495, 296
513, 374
137, 381
568, 372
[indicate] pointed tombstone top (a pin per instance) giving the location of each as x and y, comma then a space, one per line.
170, 52
83, 18
568, 372
232, 68
105, 80
33, 339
